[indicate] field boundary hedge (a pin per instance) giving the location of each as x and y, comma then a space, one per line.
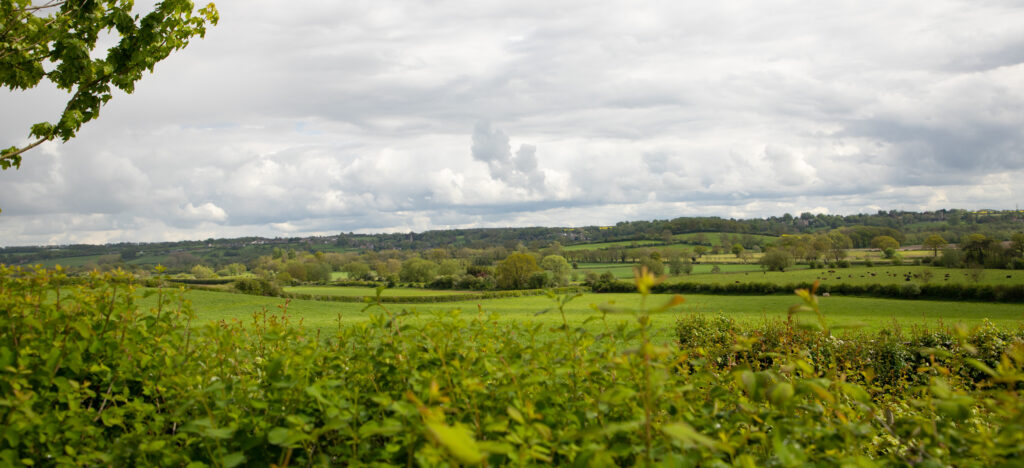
401, 299
431, 299
946, 292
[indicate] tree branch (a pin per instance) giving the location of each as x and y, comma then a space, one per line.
18, 152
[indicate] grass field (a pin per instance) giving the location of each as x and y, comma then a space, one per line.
366, 291
872, 313
715, 238
858, 275
625, 270
608, 245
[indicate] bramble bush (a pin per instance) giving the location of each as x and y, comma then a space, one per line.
91, 378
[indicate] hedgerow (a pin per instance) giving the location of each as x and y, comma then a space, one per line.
965, 292
90, 378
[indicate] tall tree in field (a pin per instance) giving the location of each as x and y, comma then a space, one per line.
559, 268
974, 248
514, 271
839, 244
1017, 243
884, 242
934, 242
56, 40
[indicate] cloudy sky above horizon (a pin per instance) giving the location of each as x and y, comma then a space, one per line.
322, 117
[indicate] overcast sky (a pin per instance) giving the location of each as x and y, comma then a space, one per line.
319, 117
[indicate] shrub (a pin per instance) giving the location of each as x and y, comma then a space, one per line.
258, 286
910, 290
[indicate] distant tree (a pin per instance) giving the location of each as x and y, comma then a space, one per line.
974, 248
436, 255
449, 267
296, 270
678, 266
738, 249
950, 258
1017, 244
839, 243
514, 271
418, 270
181, 261
319, 272
884, 242
934, 242
559, 268
700, 250
539, 279
655, 266
776, 259
203, 272
235, 269
357, 270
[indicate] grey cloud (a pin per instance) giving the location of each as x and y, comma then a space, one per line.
492, 147
353, 116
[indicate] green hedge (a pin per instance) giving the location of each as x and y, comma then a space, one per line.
432, 298
955, 292
92, 379
95, 380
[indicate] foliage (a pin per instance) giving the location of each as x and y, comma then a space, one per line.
203, 272
357, 271
559, 268
776, 260
654, 265
57, 41
418, 270
934, 242
258, 286
514, 271
90, 379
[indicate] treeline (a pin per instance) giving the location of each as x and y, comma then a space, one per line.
914, 228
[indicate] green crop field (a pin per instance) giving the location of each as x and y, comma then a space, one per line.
884, 274
872, 313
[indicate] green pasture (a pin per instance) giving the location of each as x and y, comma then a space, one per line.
70, 261
625, 270
881, 274
875, 255
715, 238
619, 270
367, 291
871, 313
608, 245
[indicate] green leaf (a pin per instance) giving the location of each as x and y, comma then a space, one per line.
685, 434
219, 433
232, 460
285, 437
458, 441
780, 393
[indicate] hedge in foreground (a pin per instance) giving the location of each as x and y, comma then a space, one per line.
89, 378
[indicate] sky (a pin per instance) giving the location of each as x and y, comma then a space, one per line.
319, 117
